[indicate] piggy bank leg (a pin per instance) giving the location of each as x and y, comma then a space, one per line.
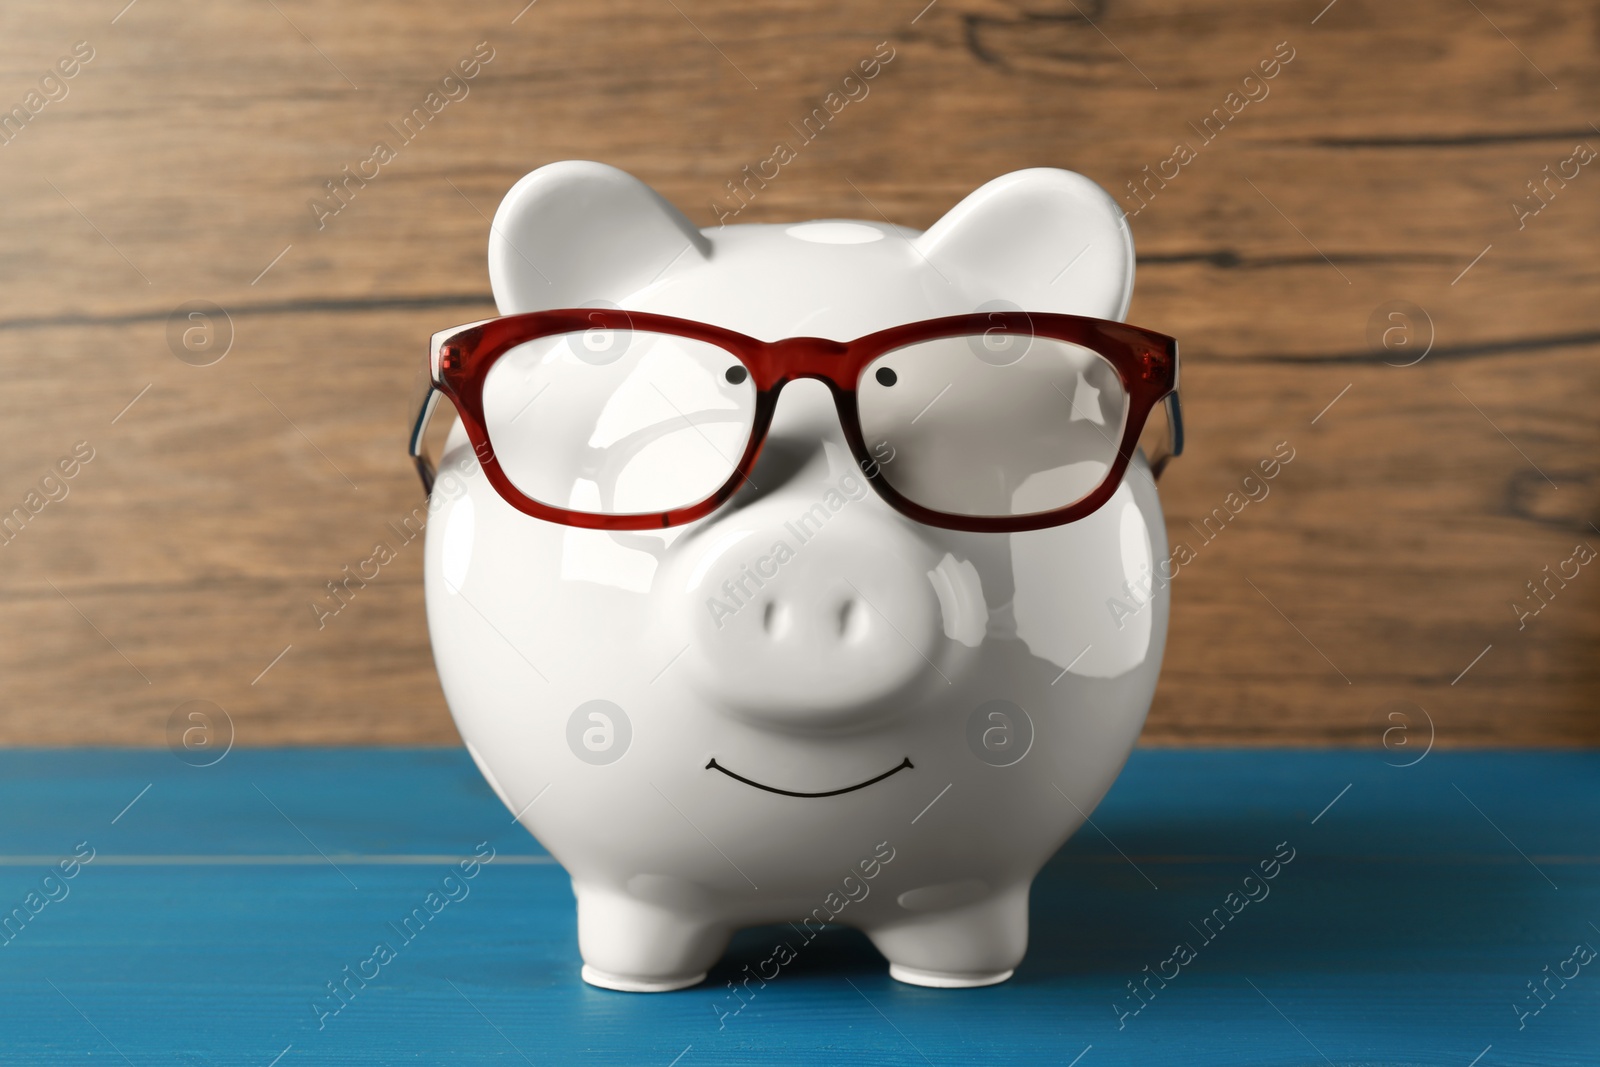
955, 947
642, 947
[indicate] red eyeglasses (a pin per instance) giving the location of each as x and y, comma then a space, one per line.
989, 422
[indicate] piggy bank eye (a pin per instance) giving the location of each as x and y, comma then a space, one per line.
886, 376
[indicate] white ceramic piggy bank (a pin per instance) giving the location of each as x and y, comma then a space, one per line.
805, 706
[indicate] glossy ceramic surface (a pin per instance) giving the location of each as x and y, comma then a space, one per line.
804, 707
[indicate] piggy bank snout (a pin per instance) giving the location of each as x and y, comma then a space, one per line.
816, 620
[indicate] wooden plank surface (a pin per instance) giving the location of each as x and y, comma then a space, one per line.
1380, 167
1403, 929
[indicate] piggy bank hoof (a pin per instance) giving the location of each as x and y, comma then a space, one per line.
947, 979
625, 984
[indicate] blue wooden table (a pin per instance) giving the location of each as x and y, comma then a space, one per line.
1441, 913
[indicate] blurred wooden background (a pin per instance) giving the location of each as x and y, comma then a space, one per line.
1382, 168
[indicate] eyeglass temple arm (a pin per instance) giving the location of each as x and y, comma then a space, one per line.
1172, 445
419, 430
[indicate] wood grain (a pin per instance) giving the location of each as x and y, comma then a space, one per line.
180, 164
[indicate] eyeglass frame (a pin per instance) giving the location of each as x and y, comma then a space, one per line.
460, 358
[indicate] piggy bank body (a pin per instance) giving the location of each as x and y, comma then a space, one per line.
804, 708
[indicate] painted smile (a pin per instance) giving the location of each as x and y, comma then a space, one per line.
903, 765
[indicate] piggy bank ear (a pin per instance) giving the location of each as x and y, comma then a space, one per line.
576, 233
1044, 239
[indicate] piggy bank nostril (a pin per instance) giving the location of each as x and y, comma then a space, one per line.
775, 619
851, 617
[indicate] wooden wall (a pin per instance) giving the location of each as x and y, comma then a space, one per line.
1377, 173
